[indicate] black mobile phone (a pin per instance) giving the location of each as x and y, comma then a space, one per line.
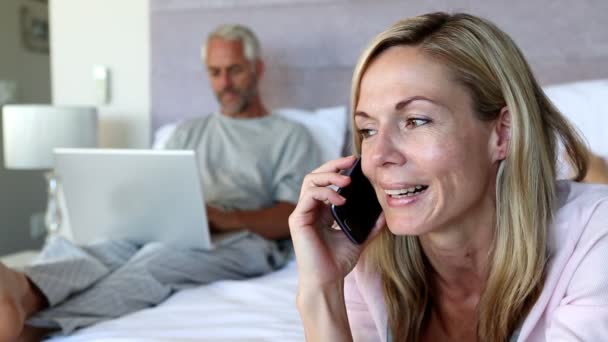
358, 215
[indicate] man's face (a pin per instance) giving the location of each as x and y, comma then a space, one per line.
232, 76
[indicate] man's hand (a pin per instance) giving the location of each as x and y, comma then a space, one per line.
270, 223
223, 221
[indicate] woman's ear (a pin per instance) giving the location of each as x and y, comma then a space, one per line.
501, 135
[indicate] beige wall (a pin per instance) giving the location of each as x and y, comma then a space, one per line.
114, 33
22, 193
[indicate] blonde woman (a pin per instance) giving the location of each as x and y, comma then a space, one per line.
477, 241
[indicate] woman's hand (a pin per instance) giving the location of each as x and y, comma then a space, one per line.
324, 254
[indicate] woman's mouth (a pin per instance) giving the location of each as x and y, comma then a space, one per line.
406, 192
399, 197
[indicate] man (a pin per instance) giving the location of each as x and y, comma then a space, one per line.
252, 164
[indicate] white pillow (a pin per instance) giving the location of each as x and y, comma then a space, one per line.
585, 104
162, 135
327, 126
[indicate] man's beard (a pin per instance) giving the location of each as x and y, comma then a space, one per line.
242, 103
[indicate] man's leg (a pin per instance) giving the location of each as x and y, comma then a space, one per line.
61, 270
154, 273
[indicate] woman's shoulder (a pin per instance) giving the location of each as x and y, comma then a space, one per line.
581, 204
582, 214
574, 283
579, 226
575, 192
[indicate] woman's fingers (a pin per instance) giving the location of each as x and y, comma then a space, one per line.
336, 165
324, 179
310, 201
317, 194
327, 175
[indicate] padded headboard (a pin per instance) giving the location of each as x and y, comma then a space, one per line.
311, 46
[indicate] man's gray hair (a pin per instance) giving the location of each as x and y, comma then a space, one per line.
251, 44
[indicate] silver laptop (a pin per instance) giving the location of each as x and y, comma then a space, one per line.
138, 195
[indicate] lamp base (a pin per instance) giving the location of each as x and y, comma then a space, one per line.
52, 216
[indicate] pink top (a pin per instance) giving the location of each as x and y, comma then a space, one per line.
574, 302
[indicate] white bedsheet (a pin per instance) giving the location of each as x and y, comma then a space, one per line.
259, 309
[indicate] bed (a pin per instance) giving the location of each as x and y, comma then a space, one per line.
260, 309
263, 308
309, 63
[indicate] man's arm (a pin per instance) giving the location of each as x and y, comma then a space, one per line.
270, 223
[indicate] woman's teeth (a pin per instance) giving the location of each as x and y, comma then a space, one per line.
412, 191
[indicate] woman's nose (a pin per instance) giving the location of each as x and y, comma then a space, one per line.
386, 151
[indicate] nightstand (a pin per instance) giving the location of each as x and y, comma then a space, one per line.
20, 259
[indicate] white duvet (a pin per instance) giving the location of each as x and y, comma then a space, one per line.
259, 309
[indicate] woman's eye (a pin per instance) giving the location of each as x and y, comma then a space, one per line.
366, 132
416, 122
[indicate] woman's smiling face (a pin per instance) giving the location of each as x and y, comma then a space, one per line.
427, 155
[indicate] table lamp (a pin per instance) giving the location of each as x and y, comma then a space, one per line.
31, 132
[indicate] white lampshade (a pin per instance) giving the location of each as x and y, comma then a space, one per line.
31, 132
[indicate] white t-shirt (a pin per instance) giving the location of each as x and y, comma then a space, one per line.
248, 164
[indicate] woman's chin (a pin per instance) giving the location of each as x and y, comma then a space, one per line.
407, 226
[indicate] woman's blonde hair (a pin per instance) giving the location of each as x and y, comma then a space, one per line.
488, 63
